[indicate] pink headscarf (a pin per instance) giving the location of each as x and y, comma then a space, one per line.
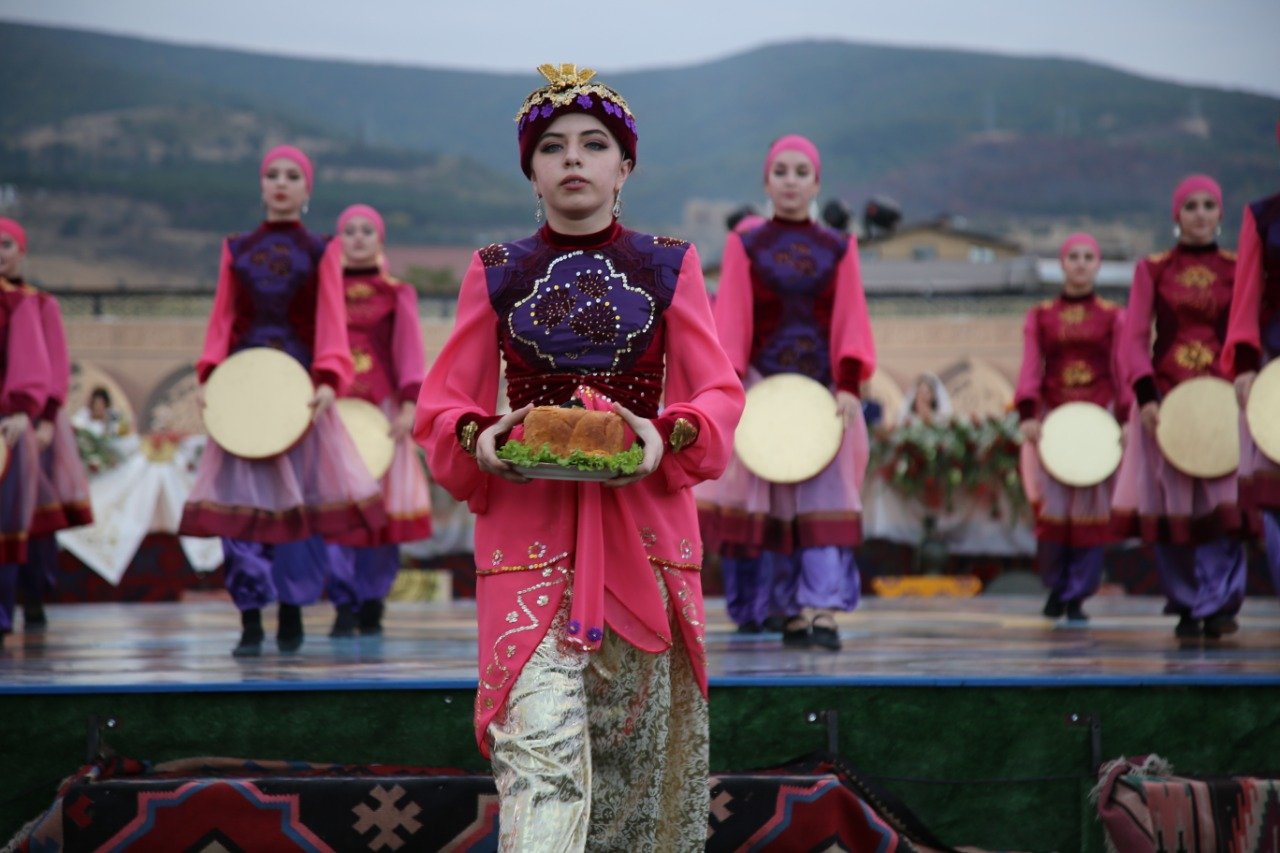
1195, 184
291, 153
14, 230
794, 142
369, 213
1080, 238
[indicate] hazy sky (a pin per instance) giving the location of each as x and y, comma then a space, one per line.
1228, 43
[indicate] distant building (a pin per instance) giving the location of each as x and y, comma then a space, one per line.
942, 239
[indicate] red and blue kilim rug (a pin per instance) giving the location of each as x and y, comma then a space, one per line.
228, 805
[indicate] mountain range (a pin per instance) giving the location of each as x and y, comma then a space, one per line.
995, 138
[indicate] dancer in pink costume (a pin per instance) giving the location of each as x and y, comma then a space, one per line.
1193, 522
592, 695
280, 286
791, 301
1070, 348
389, 363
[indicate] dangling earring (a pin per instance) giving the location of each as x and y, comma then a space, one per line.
1177, 232
1217, 232
617, 205
537, 211
306, 205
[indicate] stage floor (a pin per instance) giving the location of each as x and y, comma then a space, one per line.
998, 641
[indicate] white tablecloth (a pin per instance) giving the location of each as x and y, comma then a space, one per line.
969, 528
137, 497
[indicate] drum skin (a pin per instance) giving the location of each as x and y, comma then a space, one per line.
790, 429
1199, 428
257, 403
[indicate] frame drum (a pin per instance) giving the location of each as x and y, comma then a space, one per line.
257, 403
790, 429
370, 430
5, 458
1080, 444
1262, 412
1199, 429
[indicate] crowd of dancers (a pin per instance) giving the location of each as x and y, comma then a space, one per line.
591, 701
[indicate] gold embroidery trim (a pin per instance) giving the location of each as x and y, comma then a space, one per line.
683, 434
498, 570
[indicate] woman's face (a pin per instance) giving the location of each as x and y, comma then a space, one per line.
10, 256
924, 398
1198, 219
578, 169
284, 189
792, 185
360, 243
1080, 269
97, 408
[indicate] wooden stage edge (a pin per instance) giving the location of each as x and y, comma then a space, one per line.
987, 641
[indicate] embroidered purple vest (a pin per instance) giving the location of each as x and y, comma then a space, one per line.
276, 269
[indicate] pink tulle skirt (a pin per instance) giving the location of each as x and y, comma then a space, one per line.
62, 493
1069, 515
319, 487
1159, 503
742, 515
18, 498
405, 493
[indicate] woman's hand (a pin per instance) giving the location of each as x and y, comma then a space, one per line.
402, 423
1244, 386
44, 434
487, 447
648, 435
1149, 414
848, 407
1030, 430
321, 402
12, 427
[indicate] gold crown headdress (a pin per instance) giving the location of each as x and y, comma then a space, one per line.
565, 83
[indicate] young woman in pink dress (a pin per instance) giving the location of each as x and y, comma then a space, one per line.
1193, 522
592, 695
24, 389
791, 301
280, 286
63, 496
389, 363
1253, 341
1070, 347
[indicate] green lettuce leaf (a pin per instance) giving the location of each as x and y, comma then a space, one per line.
626, 462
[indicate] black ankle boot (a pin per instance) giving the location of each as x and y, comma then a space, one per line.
1188, 628
1075, 612
289, 629
33, 617
251, 635
1054, 608
344, 621
371, 617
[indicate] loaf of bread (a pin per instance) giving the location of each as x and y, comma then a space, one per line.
567, 430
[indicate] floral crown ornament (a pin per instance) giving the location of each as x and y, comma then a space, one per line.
569, 90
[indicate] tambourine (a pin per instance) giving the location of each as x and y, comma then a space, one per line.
5, 458
370, 430
790, 429
1262, 412
257, 403
1080, 444
1199, 429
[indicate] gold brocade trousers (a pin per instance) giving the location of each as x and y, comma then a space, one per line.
603, 751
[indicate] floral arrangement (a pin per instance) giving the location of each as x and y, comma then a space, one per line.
98, 452
933, 462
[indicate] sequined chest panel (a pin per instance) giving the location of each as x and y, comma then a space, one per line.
276, 274
582, 310
1077, 339
793, 272
1193, 297
371, 305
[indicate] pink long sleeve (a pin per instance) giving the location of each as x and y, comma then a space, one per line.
462, 381
1031, 375
55, 340
734, 323
27, 376
851, 337
701, 383
409, 361
1244, 321
1135, 347
1124, 391
217, 334
331, 359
